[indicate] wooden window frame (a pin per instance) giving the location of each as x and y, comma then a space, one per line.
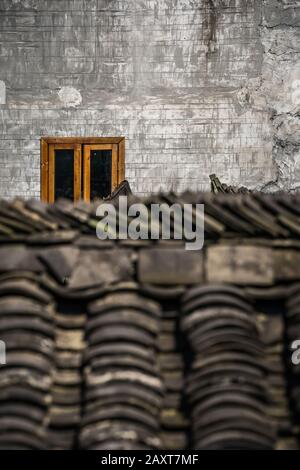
80, 145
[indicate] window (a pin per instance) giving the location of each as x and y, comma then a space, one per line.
75, 168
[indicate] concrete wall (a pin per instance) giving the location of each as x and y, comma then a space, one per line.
196, 86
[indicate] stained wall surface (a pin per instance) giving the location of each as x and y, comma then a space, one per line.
195, 86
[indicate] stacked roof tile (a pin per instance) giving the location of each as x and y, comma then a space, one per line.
218, 187
226, 382
227, 215
123, 389
141, 344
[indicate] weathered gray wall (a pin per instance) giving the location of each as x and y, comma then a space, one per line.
196, 86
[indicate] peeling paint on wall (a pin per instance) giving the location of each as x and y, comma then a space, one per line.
70, 97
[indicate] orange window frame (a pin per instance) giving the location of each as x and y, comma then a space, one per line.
82, 148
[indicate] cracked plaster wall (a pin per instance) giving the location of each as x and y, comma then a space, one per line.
280, 32
195, 86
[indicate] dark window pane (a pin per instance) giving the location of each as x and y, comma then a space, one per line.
100, 173
64, 173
